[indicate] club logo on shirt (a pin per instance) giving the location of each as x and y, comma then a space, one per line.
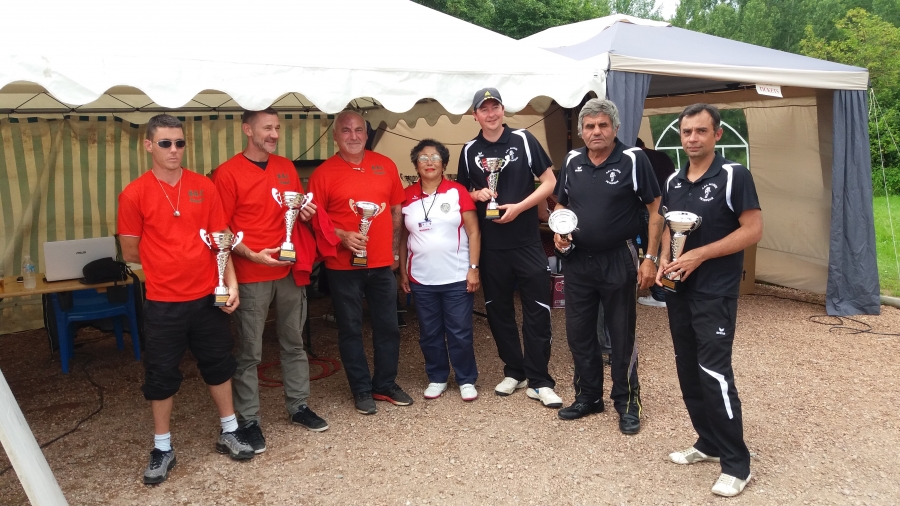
283, 178
613, 175
378, 170
721, 331
415, 197
511, 154
445, 207
677, 185
707, 191
195, 196
578, 169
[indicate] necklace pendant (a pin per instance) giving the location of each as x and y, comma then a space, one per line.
177, 214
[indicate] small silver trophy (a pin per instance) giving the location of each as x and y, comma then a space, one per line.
366, 211
225, 242
564, 222
410, 179
492, 166
680, 223
294, 202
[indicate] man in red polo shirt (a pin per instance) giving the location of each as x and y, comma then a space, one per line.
352, 176
248, 183
160, 217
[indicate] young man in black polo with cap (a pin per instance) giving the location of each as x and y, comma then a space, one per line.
606, 184
702, 316
511, 251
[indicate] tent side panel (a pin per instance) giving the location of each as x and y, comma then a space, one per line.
853, 286
628, 90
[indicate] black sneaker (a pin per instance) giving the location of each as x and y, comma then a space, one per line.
401, 323
395, 395
580, 409
307, 418
629, 424
364, 403
254, 436
160, 464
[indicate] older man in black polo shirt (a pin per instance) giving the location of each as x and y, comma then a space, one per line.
702, 316
605, 184
511, 251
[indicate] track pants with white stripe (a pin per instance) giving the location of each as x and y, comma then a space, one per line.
608, 277
527, 268
703, 335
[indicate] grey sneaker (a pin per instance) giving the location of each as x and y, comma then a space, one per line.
235, 445
254, 436
691, 456
365, 404
160, 464
729, 486
307, 418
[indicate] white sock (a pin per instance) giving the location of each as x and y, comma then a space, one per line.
163, 442
229, 423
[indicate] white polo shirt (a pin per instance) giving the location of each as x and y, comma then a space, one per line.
438, 246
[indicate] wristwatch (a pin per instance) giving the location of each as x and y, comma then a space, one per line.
473, 266
653, 258
396, 257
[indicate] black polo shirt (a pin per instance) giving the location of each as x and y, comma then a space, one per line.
724, 192
607, 198
528, 160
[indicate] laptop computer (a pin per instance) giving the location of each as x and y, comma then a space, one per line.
66, 259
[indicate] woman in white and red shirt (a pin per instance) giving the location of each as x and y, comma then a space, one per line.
439, 251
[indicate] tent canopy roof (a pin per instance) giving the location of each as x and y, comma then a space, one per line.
636, 45
313, 55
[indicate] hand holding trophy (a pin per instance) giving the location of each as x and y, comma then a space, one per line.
680, 224
366, 211
564, 222
493, 166
294, 202
225, 242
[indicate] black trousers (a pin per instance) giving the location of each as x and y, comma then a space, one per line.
501, 271
608, 278
703, 335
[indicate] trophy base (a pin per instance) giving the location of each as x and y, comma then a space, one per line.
492, 214
221, 296
356, 261
287, 255
673, 286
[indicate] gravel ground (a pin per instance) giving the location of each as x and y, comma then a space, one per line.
819, 411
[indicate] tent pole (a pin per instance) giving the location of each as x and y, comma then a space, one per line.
24, 453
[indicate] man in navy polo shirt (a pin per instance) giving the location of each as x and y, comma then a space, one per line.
702, 316
511, 251
606, 184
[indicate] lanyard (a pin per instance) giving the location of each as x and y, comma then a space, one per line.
435, 194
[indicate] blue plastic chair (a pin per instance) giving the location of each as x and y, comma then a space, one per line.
88, 305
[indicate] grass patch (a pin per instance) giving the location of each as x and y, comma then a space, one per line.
888, 275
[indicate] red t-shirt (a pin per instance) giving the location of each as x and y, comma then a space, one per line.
177, 264
249, 206
335, 183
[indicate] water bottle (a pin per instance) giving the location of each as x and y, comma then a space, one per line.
28, 273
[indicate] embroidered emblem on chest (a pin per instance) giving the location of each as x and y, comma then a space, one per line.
708, 190
613, 176
445, 207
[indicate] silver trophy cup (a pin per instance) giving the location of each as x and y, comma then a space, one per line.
680, 224
293, 202
410, 179
224, 242
564, 222
367, 211
493, 166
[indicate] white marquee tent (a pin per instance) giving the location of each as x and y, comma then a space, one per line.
809, 149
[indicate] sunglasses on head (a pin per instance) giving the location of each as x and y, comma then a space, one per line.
166, 143
434, 158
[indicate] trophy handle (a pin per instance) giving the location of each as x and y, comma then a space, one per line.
309, 197
353, 207
205, 237
699, 220
238, 237
277, 196
383, 205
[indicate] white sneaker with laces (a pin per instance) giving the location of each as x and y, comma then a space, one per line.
729, 486
691, 456
650, 301
435, 390
546, 395
468, 392
509, 385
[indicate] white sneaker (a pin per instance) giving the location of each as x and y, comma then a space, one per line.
435, 390
650, 301
729, 486
546, 395
509, 385
691, 456
468, 392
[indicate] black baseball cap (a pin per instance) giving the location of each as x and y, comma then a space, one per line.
485, 94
